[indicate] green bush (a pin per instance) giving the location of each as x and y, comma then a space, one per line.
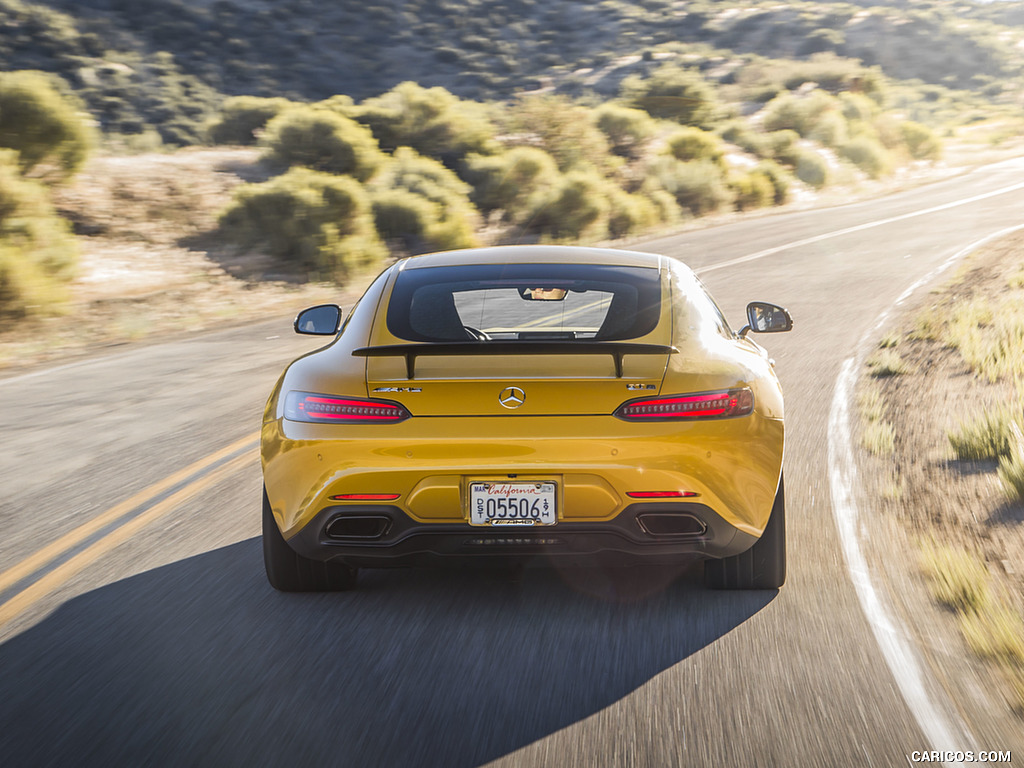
921, 141
802, 114
779, 180
430, 120
688, 144
821, 40
857, 106
242, 117
629, 214
403, 215
322, 141
664, 204
673, 93
783, 113
783, 146
627, 130
37, 250
41, 125
698, 186
561, 128
455, 218
752, 190
868, 155
833, 74
811, 168
885, 129
740, 133
830, 129
342, 104
510, 181
317, 221
576, 209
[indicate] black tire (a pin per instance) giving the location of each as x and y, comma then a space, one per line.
763, 566
289, 571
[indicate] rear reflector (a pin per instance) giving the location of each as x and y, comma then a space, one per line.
365, 497
701, 405
661, 494
328, 409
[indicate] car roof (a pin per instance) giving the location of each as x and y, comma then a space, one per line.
535, 254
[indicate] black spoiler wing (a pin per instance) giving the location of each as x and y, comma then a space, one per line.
411, 351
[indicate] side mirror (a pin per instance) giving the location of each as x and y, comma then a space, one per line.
321, 320
763, 317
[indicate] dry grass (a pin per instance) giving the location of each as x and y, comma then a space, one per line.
959, 579
889, 341
929, 323
996, 634
1016, 280
877, 434
872, 407
1011, 466
964, 349
879, 438
988, 333
991, 626
888, 363
986, 436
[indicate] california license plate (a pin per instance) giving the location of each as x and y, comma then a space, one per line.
512, 504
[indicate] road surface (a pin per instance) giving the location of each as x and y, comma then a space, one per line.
151, 637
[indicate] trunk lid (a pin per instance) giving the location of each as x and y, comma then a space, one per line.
502, 379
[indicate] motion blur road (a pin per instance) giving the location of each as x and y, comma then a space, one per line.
151, 637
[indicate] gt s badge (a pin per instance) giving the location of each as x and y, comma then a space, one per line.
633, 387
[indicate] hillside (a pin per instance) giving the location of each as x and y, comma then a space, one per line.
164, 64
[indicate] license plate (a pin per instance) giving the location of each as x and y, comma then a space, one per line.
512, 504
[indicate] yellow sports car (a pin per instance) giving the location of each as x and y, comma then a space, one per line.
579, 404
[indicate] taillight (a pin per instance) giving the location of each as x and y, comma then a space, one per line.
701, 405
329, 409
661, 494
365, 496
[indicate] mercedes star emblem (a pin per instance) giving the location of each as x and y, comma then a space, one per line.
512, 397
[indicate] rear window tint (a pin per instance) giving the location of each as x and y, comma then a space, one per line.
525, 302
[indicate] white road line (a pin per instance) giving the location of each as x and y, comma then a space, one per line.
858, 228
943, 729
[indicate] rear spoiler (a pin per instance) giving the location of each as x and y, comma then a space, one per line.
411, 351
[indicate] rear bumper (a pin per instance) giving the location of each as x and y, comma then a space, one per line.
377, 536
732, 465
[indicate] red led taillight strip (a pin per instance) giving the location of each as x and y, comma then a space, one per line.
365, 496
702, 405
661, 494
325, 409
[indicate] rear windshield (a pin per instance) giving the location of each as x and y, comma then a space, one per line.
524, 302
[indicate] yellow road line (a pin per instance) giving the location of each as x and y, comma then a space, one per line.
63, 573
74, 537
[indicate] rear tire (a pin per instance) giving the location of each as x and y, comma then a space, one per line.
289, 571
763, 566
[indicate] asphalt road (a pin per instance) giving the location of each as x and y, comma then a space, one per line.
154, 639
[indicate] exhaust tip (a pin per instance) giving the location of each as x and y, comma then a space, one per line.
671, 524
361, 527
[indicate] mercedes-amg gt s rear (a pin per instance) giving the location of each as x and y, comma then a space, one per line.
581, 404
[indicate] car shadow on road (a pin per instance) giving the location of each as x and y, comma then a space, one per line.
201, 663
